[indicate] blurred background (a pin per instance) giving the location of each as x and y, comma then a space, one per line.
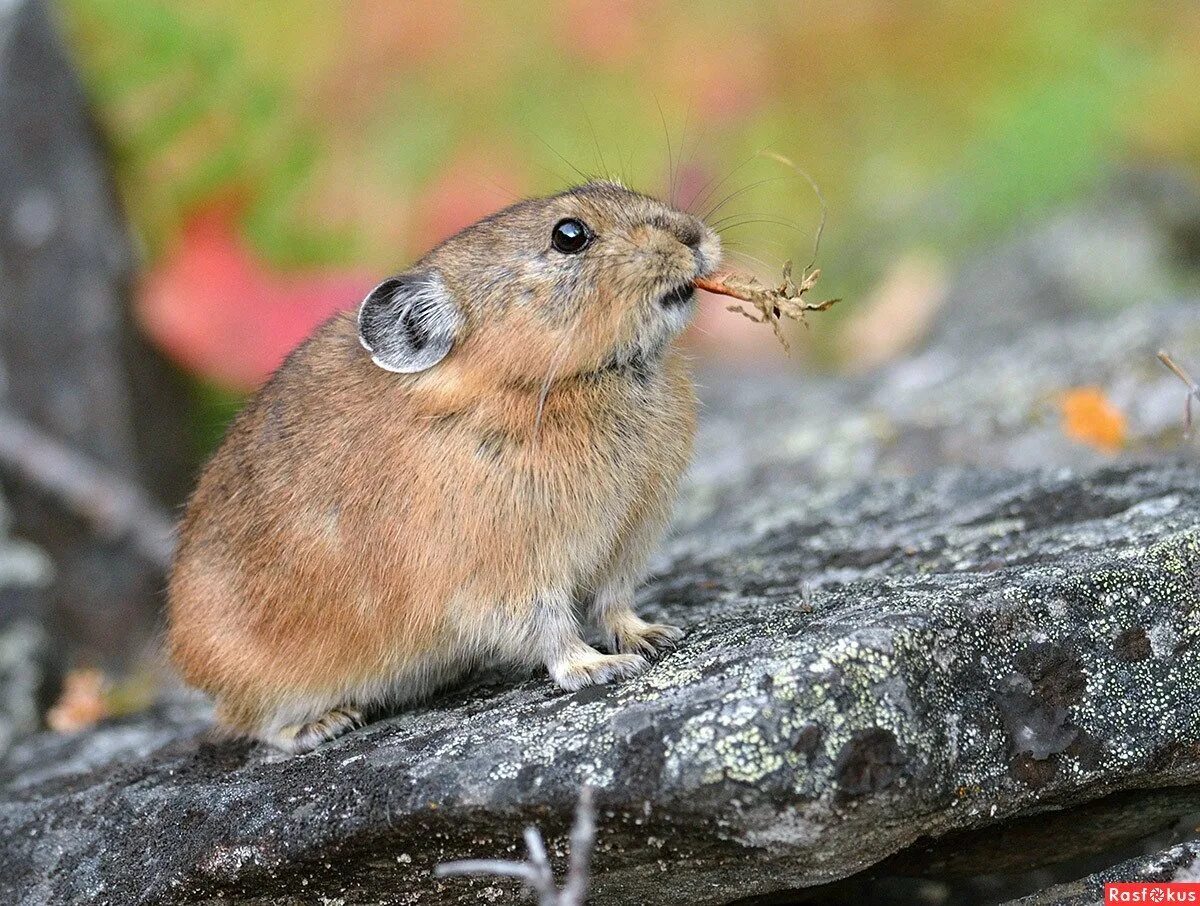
275, 159
189, 188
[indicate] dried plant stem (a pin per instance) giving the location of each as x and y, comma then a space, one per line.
770, 304
535, 872
583, 839
115, 506
1193, 388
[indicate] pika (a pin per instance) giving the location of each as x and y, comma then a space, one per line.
459, 474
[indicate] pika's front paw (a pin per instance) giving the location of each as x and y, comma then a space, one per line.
594, 669
635, 636
300, 738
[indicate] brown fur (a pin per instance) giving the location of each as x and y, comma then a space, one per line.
363, 536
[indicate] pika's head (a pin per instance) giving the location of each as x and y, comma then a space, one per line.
596, 277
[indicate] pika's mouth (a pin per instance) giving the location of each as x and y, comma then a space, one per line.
678, 296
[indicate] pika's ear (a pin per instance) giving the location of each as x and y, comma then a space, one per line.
409, 323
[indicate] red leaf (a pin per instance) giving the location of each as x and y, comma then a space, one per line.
220, 312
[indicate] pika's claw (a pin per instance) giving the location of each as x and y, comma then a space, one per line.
594, 669
636, 636
300, 738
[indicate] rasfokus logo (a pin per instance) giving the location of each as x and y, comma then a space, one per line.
1149, 892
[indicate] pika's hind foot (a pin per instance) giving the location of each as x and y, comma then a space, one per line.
591, 668
629, 634
300, 738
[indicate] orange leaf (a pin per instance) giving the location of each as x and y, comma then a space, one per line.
81, 704
1089, 417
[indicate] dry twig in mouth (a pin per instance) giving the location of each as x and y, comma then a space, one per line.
1192, 387
770, 304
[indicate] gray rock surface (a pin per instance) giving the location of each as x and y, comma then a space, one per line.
865, 664
985, 405
27, 668
1180, 863
1135, 241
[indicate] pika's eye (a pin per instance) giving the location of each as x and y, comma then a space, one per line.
570, 236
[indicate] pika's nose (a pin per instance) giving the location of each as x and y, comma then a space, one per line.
688, 232
683, 228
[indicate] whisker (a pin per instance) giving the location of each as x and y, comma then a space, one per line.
482, 182
772, 155
595, 138
726, 224
753, 258
670, 155
742, 191
686, 162
708, 189
748, 220
582, 175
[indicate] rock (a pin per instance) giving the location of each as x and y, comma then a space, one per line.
1021, 856
27, 667
71, 361
1179, 863
1134, 242
991, 407
866, 664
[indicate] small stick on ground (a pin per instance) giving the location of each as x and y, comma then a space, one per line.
770, 304
1193, 388
535, 873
